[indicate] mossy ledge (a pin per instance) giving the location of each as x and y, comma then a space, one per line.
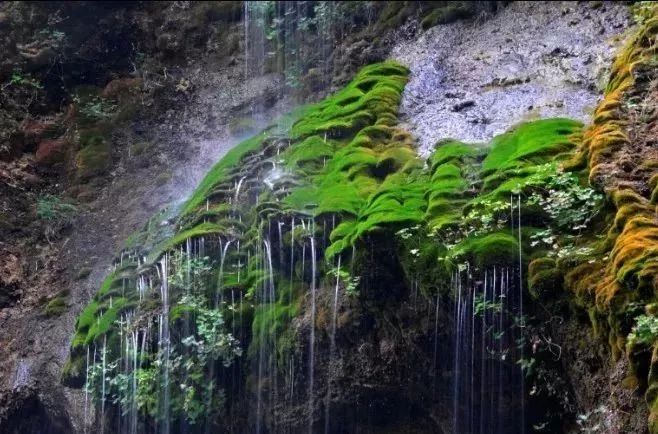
328, 178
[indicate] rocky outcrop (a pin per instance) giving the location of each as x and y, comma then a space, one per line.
529, 61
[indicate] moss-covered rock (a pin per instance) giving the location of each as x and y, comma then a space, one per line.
93, 160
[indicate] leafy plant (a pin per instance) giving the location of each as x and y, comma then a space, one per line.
54, 213
645, 330
568, 204
188, 273
350, 283
210, 342
19, 79
97, 109
482, 305
51, 208
188, 362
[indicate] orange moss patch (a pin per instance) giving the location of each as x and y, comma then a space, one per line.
607, 135
628, 275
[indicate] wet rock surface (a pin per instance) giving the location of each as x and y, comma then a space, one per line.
156, 157
530, 60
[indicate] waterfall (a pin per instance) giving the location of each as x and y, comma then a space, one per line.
436, 341
486, 378
237, 192
104, 373
292, 258
279, 226
522, 319
135, 354
332, 351
219, 295
311, 364
165, 343
268, 301
458, 353
86, 408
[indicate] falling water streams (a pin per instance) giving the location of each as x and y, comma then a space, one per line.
104, 373
488, 318
522, 319
219, 296
332, 351
86, 386
311, 358
165, 343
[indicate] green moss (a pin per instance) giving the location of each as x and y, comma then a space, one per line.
371, 98
105, 320
56, 306
544, 277
445, 14
491, 249
93, 160
530, 143
310, 153
239, 127
271, 321
74, 371
221, 170
181, 237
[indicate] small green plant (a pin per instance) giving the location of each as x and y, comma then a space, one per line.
645, 330
211, 342
350, 283
187, 362
642, 11
20, 79
482, 305
97, 109
188, 273
487, 216
568, 204
54, 213
53, 209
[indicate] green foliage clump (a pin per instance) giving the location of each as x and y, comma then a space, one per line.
18, 78
97, 109
346, 161
371, 98
350, 283
53, 209
487, 250
645, 330
568, 203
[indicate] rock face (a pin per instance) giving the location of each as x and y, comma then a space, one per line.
160, 141
531, 60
